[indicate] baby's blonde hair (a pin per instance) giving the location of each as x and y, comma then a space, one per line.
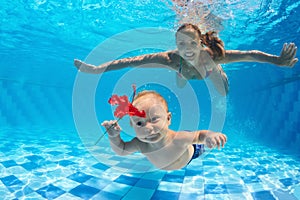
153, 93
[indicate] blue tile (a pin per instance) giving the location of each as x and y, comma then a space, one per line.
54, 153
238, 167
234, 159
235, 188
291, 162
198, 172
32, 149
35, 158
9, 163
288, 181
215, 189
84, 191
210, 163
247, 155
11, 180
262, 162
65, 163
101, 166
164, 195
263, 195
251, 179
128, 180
146, 183
30, 166
50, 192
80, 177
261, 171
173, 178
249, 167
75, 153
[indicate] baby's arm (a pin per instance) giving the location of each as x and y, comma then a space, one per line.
286, 57
147, 61
117, 144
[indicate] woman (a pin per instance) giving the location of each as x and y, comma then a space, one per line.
197, 56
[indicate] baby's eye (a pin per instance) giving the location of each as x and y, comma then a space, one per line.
154, 119
140, 123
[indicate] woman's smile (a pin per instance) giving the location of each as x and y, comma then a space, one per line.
189, 55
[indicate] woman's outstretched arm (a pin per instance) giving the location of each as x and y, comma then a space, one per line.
286, 57
155, 60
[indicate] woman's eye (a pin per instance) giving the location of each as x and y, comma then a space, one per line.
180, 43
194, 43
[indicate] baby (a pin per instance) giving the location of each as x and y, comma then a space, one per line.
164, 148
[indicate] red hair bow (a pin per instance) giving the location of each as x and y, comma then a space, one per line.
124, 106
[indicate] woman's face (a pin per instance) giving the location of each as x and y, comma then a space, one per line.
188, 44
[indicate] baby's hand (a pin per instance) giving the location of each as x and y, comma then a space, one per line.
112, 127
214, 139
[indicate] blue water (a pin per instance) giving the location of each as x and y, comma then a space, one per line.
50, 113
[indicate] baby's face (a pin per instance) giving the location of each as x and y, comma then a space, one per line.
155, 126
188, 44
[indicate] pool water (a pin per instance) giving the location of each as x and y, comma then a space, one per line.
38, 165
50, 113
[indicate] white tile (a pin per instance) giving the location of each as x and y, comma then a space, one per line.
117, 188
66, 184
68, 196
169, 186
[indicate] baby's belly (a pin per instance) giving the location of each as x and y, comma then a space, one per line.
181, 162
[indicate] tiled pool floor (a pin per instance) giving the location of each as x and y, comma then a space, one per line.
55, 165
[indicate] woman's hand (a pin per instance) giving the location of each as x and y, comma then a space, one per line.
88, 68
287, 55
112, 127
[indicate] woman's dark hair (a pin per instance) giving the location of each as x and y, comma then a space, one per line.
214, 43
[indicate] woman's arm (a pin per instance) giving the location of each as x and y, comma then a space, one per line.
180, 80
162, 59
286, 57
220, 80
